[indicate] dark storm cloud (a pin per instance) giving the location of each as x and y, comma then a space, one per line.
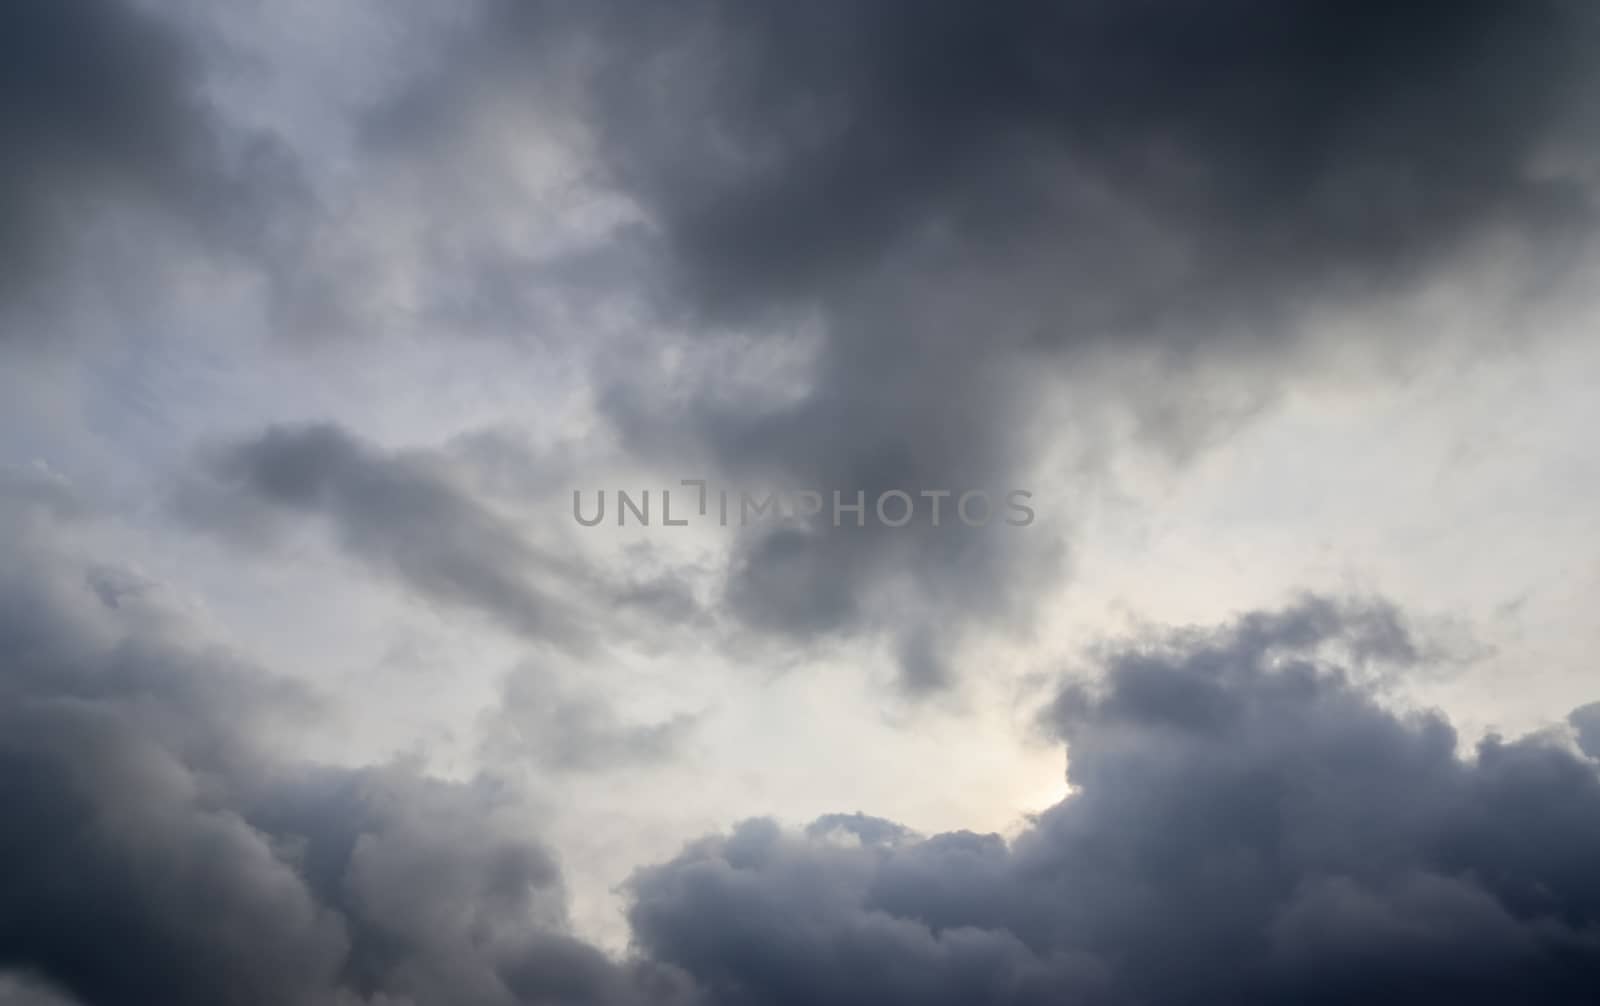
94, 93
1283, 150
970, 200
99, 108
155, 852
128, 875
1248, 825
443, 898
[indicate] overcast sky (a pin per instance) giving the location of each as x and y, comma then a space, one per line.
1255, 666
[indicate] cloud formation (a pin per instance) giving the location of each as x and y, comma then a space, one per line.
101, 108
405, 515
1586, 722
986, 212
129, 123
844, 245
1247, 824
157, 850
567, 730
1282, 150
397, 513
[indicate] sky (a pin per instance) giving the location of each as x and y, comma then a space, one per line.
1216, 384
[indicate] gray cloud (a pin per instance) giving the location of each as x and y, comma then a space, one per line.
407, 515
398, 513
129, 875
969, 204
1586, 721
95, 94
975, 205
564, 730
38, 490
1247, 825
100, 108
157, 852
22, 992
1284, 151
971, 207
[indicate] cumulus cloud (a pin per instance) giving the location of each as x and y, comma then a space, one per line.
1247, 824
158, 851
